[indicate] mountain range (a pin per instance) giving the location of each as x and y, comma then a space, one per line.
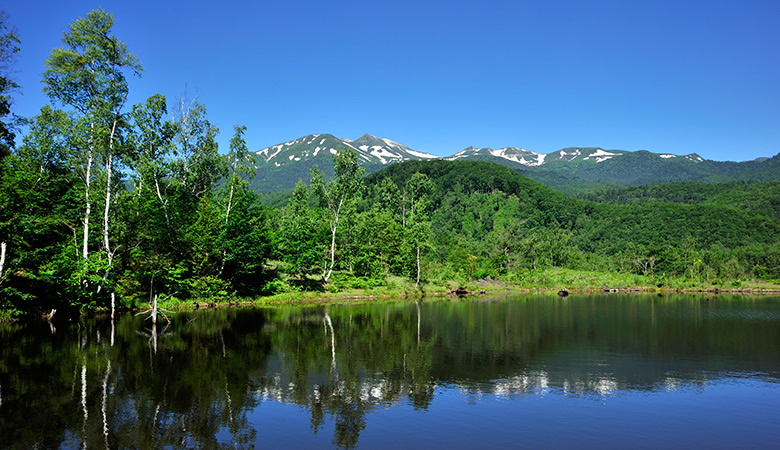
569, 170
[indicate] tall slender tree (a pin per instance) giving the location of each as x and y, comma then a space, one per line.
89, 74
240, 166
9, 46
418, 223
335, 194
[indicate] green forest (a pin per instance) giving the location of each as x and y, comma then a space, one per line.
103, 198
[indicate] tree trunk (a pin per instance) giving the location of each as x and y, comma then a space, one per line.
229, 205
163, 203
2, 258
403, 210
88, 210
109, 173
109, 170
418, 266
334, 225
227, 218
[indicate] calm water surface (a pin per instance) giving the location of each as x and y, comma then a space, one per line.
610, 371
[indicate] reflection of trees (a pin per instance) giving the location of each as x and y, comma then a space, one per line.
126, 395
344, 362
211, 368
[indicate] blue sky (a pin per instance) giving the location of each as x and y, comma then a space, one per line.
438, 76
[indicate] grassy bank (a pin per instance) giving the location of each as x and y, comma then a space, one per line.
345, 288
586, 281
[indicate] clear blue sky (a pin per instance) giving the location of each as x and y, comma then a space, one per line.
666, 76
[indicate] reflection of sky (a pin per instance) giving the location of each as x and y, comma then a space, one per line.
728, 412
569, 373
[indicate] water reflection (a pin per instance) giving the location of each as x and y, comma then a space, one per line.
208, 378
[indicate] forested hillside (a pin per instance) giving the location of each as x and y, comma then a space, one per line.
755, 197
508, 220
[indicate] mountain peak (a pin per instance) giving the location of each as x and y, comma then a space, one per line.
371, 150
368, 139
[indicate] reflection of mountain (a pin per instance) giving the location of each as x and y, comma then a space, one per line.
206, 378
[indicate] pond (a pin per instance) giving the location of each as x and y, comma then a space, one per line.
534, 371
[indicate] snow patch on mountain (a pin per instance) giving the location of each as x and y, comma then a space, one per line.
573, 154
518, 155
384, 154
392, 143
461, 154
421, 154
265, 151
601, 155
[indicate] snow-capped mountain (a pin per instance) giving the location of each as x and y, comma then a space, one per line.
513, 154
567, 155
282, 165
593, 154
371, 150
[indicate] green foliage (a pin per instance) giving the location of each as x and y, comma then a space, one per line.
301, 236
338, 195
9, 46
755, 197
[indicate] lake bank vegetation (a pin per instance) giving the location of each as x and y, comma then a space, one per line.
103, 198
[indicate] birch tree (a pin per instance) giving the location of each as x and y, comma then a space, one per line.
418, 222
153, 141
335, 194
89, 74
199, 164
240, 166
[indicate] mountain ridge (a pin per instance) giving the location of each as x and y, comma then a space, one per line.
280, 166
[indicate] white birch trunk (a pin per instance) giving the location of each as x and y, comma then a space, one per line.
418, 266
162, 202
229, 205
109, 170
2, 258
88, 210
109, 173
403, 210
334, 225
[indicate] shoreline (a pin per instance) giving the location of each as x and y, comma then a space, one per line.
337, 298
478, 288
